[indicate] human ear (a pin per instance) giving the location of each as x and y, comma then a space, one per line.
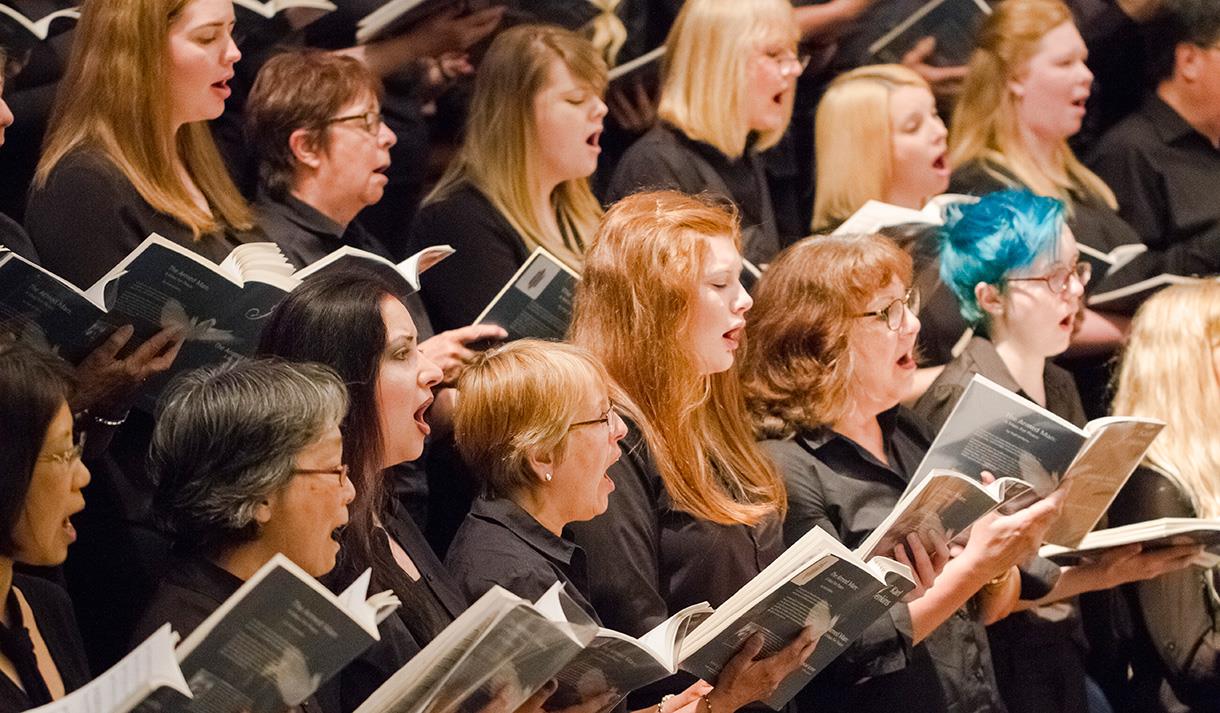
305, 149
543, 466
989, 299
263, 512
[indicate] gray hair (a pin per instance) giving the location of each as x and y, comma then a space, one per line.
228, 436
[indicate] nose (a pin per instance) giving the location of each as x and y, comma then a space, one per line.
80, 476
910, 322
6, 114
349, 492
618, 427
939, 130
429, 373
599, 109
386, 136
232, 54
743, 302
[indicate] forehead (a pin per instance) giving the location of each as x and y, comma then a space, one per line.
721, 252
1061, 38
197, 13
908, 99
398, 322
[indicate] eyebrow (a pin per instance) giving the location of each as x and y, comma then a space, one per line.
404, 340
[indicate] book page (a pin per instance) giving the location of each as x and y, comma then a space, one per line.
993, 429
1097, 474
944, 503
536, 302
150, 666
271, 649
47, 311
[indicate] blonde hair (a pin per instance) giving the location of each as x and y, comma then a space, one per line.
1168, 371
501, 136
853, 138
984, 126
704, 79
520, 400
115, 99
633, 309
606, 32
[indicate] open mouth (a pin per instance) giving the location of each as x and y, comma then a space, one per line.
941, 163
594, 140
733, 336
419, 417
337, 533
69, 529
1066, 322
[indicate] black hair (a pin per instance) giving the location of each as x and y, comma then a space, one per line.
1195, 22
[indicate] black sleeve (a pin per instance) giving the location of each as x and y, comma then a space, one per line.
1179, 610
651, 164
57, 623
938, 401
622, 548
81, 221
488, 253
13, 237
1139, 188
885, 645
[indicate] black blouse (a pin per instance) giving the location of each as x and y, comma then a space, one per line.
835, 484
648, 560
1175, 650
402, 635
56, 623
499, 543
489, 252
88, 217
13, 237
1037, 653
305, 235
666, 158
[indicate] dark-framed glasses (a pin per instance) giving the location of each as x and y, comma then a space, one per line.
67, 456
339, 471
1060, 276
371, 121
790, 63
895, 313
604, 418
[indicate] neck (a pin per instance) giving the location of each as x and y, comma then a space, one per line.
896, 195
1026, 366
861, 425
545, 510
1202, 118
6, 583
1042, 149
541, 189
311, 193
244, 560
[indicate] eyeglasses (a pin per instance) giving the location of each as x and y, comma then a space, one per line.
372, 121
895, 313
788, 62
605, 418
69, 456
1059, 278
340, 471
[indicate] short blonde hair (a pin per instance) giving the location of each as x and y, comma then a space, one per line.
704, 82
519, 401
855, 150
984, 126
1168, 371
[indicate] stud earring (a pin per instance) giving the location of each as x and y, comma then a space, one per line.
547, 477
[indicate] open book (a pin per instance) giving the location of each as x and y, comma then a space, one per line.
993, 429
1151, 534
502, 647
816, 582
266, 649
271, 8
17, 30
536, 301
953, 23
1127, 299
220, 308
404, 274
875, 215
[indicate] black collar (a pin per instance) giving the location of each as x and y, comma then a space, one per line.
1168, 123
516, 520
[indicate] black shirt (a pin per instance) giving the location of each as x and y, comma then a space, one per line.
305, 235
499, 543
88, 217
13, 237
53, 614
1175, 651
835, 484
665, 158
648, 560
191, 590
431, 601
1164, 173
1037, 653
489, 252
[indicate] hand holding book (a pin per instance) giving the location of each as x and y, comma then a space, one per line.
745, 680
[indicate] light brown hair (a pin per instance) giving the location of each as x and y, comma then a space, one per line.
633, 310
300, 90
798, 364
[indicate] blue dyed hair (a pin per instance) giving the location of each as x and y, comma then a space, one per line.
984, 241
